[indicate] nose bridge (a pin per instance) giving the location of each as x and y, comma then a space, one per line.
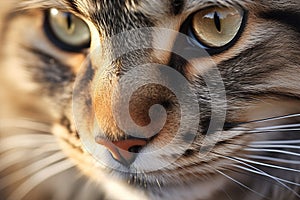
116, 55
107, 95
114, 59
111, 107
104, 115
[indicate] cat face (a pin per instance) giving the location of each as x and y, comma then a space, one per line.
163, 99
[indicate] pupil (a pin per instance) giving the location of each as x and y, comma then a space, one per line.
69, 21
217, 21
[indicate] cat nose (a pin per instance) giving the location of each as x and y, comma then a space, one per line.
143, 115
123, 151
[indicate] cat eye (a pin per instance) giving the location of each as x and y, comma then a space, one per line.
66, 30
216, 27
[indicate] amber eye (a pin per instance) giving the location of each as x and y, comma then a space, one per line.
67, 30
216, 26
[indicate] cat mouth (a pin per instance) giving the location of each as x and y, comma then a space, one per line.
146, 180
182, 173
166, 178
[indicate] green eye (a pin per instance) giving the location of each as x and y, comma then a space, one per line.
67, 30
216, 27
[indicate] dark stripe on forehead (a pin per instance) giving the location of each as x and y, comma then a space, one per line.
177, 6
73, 5
113, 17
286, 17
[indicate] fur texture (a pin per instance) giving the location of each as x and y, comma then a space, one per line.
254, 156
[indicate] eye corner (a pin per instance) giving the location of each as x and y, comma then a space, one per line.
57, 40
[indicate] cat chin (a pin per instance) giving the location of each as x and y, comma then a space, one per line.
175, 189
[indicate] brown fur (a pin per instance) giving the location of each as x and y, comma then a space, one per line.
260, 72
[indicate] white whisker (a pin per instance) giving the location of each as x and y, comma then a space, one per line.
188, 171
274, 146
268, 129
84, 189
24, 124
40, 177
267, 165
18, 175
277, 142
239, 183
25, 141
279, 127
263, 173
260, 173
272, 119
296, 162
226, 193
271, 130
274, 151
11, 158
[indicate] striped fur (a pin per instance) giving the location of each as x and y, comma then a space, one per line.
260, 71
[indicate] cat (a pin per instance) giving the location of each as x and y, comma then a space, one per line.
136, 99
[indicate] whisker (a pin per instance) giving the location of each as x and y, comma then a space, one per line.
257, 148
24, 124
277, 127
273, 151
266, 129
51, 146
40, 177
267, 165
85, 189
274, 146
241, 184
257, 172
25, 141
226, 193
158, 184
197, 175
32, 135
30, 169
271, 130
269, 119
273, 159
264, 173
12, 158
277, 142
284, 126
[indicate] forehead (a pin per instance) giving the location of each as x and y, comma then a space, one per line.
114, 16
154, 7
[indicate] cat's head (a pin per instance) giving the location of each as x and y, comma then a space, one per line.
173, 97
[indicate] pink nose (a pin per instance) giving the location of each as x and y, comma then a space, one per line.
123, 151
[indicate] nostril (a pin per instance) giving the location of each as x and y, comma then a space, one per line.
135, 149
166, 104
